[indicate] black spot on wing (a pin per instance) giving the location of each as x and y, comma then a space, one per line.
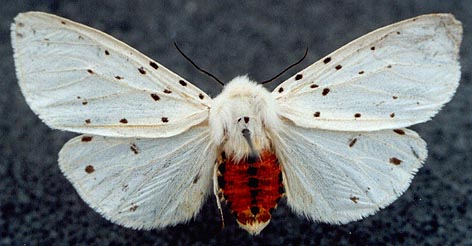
354, 199
196, 178
352, 142
395, 161
134, 148
133, 207
155, 97
86, 138
182, 83
325, 91
89, 169
399, 131
141, 70
153, 65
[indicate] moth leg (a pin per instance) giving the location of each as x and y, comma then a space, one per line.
216, 192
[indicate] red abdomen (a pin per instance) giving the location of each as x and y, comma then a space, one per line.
251, 190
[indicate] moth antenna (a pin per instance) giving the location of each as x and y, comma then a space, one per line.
197, 67
286, 69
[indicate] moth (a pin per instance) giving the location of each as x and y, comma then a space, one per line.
331, 139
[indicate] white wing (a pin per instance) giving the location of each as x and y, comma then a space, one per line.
393, 77
338, 177
142, 183
79, 79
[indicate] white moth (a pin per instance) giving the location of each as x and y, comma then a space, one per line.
330, 139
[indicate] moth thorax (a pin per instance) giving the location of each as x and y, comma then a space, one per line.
241, 118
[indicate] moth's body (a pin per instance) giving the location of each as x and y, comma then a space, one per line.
331, 139
243, 122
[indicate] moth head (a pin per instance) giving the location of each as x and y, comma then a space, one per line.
242, 117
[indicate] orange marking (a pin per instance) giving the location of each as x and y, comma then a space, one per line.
251, 190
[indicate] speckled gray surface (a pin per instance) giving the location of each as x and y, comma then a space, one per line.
39, 206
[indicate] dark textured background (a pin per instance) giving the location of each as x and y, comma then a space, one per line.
38, 205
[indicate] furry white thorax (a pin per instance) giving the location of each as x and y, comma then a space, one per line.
243, 104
